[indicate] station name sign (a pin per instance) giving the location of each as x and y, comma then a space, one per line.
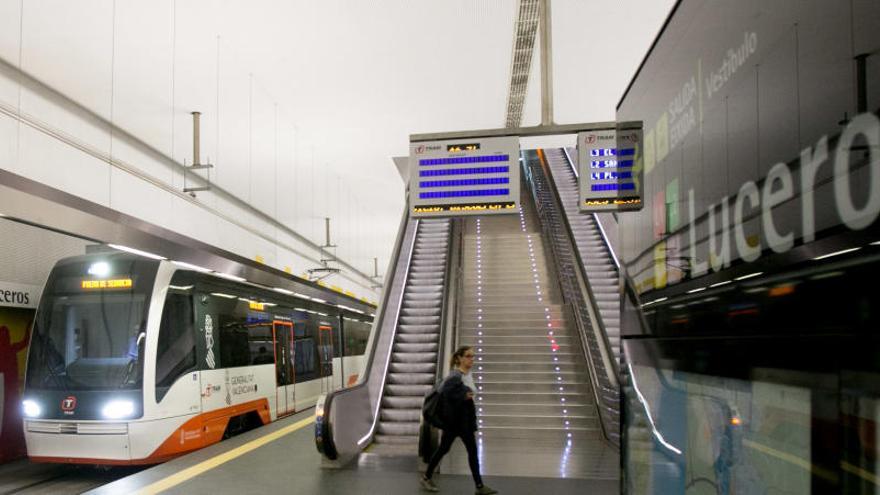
19, 295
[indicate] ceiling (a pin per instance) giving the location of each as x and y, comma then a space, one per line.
349, 79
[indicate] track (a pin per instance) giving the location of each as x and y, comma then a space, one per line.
25, 477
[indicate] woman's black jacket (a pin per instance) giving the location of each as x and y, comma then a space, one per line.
457, 411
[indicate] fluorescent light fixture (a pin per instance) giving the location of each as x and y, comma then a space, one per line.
826, 275
180, 287
646, 304
189, 266
100, 269
876, 243
244, 299
756, 290
220, 294
749, 276
297, 294
323, 314
373, 315
118, 409
698, 289
283, 291
268, 304
137, 252
719, 284
836, 253
317, 300
31, 409
301, 309
227, 276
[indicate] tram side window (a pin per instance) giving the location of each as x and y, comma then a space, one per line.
234, 345
176, 353
356, 335
262, 347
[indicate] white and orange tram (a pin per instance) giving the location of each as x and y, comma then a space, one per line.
136, 361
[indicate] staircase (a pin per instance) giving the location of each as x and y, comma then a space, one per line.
413, 364
530, 371
599, 265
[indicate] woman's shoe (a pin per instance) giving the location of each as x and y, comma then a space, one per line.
485, 490
429, 486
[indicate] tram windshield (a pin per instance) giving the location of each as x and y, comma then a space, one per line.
90, 330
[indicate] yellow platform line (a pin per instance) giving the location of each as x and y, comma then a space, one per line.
193, 471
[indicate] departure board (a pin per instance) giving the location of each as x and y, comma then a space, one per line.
609, 170
464, 177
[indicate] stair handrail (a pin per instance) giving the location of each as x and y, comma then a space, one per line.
327, 436
608, 408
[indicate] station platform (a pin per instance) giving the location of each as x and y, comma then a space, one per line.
281, 457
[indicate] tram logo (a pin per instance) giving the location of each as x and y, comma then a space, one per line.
591, 138
68, 404
420, 149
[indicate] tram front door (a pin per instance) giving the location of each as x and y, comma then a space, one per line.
282, 334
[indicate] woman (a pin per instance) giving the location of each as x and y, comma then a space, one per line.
460, 416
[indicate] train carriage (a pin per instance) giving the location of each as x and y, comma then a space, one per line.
136, 361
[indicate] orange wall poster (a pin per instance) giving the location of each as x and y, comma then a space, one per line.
15, 324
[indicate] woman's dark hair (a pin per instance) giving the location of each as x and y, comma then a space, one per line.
457, 355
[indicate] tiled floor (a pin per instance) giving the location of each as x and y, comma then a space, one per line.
292, 465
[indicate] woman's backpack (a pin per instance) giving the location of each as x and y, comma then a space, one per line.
432, 408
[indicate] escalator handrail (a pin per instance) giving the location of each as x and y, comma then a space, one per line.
603, 333
582, 326
327, 442
399, 305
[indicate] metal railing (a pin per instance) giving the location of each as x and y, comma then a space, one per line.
594, 340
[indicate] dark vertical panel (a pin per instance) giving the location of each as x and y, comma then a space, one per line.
825, 67
777, 103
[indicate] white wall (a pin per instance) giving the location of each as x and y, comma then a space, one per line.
135, 71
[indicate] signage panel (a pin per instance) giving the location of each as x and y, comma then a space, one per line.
610, 170
19, 295
472, 176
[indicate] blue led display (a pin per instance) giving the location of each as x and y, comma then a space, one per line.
603, 152
463, 159
464, 194
610, 175
465, 171
627, 152
627, 186
464, 182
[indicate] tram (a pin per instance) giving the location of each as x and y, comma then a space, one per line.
136, 361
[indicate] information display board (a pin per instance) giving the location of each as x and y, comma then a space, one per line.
474, 176
609, 170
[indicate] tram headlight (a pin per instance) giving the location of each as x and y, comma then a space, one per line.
118, 409
31, 409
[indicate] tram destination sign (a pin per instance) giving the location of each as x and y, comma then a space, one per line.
470, 176
610, 170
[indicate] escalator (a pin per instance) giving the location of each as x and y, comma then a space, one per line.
383, 410
592, 245
414, 356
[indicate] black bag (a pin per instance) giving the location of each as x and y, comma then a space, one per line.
432, 409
